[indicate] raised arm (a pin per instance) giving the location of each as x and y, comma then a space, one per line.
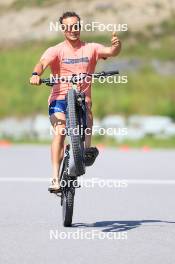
112, 51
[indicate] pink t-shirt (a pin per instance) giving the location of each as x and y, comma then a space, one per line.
66, 60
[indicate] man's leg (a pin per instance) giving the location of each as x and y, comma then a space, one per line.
58, 122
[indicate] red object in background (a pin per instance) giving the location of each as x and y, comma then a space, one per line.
124, 148
5, 143
146, 148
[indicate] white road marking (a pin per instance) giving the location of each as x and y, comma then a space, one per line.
128, 181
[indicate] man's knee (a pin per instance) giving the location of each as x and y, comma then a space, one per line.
58, 119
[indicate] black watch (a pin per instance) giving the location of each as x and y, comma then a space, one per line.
34, 73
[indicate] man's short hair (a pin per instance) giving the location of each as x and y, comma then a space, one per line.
68, 14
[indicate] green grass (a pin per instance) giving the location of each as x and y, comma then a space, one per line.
152, 46
145, 93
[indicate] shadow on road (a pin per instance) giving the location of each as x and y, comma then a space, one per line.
119, 226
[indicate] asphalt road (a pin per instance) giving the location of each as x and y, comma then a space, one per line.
130, 222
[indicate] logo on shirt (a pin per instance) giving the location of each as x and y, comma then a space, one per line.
74, 61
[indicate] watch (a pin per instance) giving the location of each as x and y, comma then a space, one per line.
34, 73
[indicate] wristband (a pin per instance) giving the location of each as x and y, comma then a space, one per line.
34, 73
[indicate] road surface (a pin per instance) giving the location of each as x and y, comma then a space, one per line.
131, 222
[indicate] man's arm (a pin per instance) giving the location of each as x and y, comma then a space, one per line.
38, 70
112, 51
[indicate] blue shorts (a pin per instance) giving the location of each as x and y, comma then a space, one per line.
57, 106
